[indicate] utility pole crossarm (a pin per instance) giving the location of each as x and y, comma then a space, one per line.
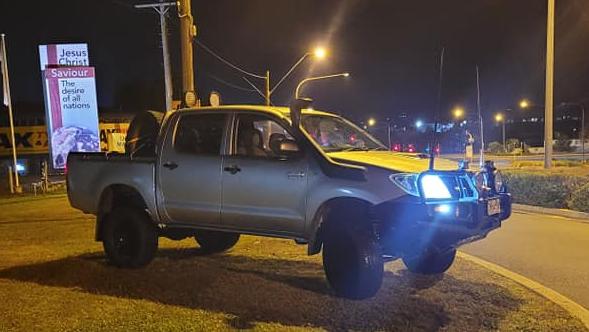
155, 5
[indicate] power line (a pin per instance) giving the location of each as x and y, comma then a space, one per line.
231, 85
211, 52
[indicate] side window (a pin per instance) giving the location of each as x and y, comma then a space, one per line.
259, 136
200, 134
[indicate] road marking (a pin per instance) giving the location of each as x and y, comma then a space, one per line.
567, 304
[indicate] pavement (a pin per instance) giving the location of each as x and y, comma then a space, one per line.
550, 249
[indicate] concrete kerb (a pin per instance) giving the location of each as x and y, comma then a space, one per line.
580, 216
573, 308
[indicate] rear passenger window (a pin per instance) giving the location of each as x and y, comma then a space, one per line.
200, 134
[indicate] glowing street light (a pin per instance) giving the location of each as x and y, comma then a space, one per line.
371, 122
458, 113
320, 52
418, 124
524, 103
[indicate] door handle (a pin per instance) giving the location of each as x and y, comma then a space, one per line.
170, 165
296, 174
232, 169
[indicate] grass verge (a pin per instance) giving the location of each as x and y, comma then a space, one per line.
53, 277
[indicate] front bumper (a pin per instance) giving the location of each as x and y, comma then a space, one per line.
408, 224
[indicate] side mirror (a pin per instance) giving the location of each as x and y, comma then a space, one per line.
288, 148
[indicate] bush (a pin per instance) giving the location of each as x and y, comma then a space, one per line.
555, 163
495, 147
512, 144
562, 143
552, 190
580, 199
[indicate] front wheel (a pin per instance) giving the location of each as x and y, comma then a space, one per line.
129, 238
212, 242
353, 263
431, 261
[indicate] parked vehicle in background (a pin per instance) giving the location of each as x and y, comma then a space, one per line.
397, 147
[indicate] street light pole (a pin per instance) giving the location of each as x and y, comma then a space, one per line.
504, 142
549, 109
290, 71
309, 79
583, 132
318, 52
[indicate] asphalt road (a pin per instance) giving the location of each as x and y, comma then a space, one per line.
551, 250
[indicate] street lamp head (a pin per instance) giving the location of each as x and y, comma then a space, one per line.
371, 122
458, 112
320, 53
499, 117
524, 104
418, 124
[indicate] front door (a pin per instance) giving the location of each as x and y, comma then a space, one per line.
190, 169
261, 189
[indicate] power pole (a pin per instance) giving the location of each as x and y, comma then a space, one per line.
549, 110
162, 9
187, 34
267, 91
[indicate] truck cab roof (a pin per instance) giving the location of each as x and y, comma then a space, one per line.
280, 111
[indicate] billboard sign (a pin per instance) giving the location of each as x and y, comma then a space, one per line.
72, 112
72, 55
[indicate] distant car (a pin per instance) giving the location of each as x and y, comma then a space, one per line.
214, 173
403, 148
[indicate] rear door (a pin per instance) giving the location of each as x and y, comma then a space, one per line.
261, 190
190, 168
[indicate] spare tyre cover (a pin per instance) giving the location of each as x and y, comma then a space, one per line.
142, 134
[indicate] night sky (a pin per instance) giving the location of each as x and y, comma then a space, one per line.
391, 48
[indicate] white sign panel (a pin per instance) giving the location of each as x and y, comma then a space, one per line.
75, 55
72, 112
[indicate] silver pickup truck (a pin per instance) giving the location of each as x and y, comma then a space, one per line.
214, 173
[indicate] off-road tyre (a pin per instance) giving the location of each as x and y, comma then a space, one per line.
353, 263
212, 242
129, 238
431, 261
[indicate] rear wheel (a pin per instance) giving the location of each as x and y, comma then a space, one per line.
214, 242
353, 263
129, 238
431, 261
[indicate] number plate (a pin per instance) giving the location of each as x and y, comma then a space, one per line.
493, 206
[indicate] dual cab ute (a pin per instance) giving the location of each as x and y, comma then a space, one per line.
214, 173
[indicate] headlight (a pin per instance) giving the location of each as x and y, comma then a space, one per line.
433, 187
498, 181
407, 182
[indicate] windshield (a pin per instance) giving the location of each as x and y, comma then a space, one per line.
335, 134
